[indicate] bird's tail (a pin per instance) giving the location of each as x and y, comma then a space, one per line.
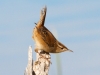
42, 17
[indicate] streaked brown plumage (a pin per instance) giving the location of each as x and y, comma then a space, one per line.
44, 39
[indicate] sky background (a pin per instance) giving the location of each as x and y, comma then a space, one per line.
75, 23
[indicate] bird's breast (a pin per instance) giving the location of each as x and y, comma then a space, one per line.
41, 44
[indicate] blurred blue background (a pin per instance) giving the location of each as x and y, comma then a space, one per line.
76, 23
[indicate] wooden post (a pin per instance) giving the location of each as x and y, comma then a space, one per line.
29, 68
40, 66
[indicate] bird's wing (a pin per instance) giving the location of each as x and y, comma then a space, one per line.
47, 36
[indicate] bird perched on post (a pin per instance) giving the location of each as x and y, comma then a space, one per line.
44, 39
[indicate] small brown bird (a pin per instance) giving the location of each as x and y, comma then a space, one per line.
44, 39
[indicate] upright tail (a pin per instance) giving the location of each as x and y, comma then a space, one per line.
42, 17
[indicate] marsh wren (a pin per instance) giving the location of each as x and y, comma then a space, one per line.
44, 39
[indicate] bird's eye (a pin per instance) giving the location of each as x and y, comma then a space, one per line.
61, 48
